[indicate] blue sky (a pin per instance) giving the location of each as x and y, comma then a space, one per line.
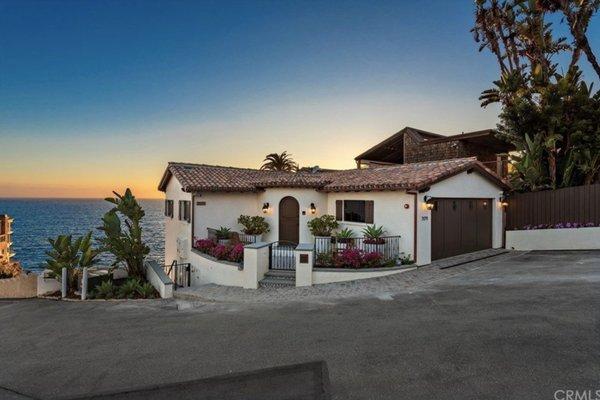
101, 94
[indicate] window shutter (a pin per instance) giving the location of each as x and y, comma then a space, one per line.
369, 206
339, 210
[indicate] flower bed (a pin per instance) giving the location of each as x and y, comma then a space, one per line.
560, 225
353, 258
230, 252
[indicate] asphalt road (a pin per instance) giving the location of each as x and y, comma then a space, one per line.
520, 328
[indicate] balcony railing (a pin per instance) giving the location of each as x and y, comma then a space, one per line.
357, 252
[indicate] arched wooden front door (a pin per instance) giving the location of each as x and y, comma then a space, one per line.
289, 220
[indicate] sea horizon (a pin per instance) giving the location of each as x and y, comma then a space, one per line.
36, 219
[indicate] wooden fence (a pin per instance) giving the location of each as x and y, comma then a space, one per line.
573, 204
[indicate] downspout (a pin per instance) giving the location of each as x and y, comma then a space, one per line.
415, 194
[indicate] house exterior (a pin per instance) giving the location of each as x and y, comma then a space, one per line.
6, 252
432, 208
411, 145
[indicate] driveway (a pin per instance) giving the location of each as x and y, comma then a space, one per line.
521, 326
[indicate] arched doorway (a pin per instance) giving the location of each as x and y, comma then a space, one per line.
289, 220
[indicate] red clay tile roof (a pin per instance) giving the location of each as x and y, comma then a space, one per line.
202, 178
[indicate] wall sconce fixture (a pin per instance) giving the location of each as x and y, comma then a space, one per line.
312, 208
504, 201
265, 207
429, 204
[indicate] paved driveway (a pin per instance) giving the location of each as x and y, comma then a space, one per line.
516, 327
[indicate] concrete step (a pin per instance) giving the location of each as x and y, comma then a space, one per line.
279, 278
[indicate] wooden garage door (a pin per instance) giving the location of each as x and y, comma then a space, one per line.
460, 226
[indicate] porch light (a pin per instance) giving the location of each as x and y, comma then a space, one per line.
429, 204
504, 201
265, 208
313, 209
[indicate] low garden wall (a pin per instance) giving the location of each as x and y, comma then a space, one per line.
20, 287
207, 269
331, 275
554, 239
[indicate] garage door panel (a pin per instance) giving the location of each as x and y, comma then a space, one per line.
460, 226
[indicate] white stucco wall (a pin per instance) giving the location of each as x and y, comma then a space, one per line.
388, 211
222, 209
175, 228
554, 239
304, 197
466, 186
206, 270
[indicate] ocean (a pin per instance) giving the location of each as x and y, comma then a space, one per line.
36, 220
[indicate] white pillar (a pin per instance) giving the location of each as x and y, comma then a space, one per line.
84, 283
304, 254
256, 263
64, 283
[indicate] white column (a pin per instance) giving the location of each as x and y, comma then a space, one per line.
64, 283
84, 283
256, 263
304, 254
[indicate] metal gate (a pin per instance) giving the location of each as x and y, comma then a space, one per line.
179, 274
281, 256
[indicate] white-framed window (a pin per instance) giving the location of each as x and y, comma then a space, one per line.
360, 211
185, 210
169, 208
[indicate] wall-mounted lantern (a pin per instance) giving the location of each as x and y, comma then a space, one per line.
312, 208
504, 201
429, 204
265, 208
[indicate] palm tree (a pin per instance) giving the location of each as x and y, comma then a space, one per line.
279, 162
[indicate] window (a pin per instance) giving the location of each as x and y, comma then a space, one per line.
354, 211
184, 210
169, 208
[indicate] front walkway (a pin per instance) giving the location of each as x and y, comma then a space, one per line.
409, 281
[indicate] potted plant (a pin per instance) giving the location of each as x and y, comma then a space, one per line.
223, 235
254, 227
344, 237
373, 240
321, 228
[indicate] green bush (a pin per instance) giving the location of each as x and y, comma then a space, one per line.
255, 225
147, 291
223, 233
323, 225
106, 290
129, 289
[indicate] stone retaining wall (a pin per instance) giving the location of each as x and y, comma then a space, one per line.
23, 286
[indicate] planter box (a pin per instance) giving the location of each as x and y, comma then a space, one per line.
554, 239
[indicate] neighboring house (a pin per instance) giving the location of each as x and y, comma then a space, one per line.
6, 252
414, 145
438, 208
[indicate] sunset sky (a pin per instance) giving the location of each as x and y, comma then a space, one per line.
100, 95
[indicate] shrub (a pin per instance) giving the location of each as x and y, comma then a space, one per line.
325, 259
323, 225
236, 254
350, 258
146, 290
559, 225
372, 259
106, 290
255, 225
220, 252
344, 235
223, 233
205, 245
406, 260
129, 289
373, 234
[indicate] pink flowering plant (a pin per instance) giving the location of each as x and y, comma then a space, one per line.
560, 225
353, 258
233, 253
